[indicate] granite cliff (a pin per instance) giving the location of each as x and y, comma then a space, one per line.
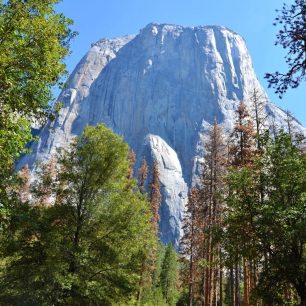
160, 90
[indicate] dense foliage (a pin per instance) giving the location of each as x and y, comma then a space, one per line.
34, 40
269, 231
84, 240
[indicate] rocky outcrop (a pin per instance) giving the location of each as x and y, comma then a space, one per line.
173, 188
160, 90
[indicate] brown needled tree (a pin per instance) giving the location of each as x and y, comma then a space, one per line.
212, 200
204, 217
191, 243
155, 196
241, 149
149, 265
131, 159
258, 105
241, 154
142, 175
24, 187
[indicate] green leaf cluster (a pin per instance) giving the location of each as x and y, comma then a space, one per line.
34, 40
88, 247
265, 218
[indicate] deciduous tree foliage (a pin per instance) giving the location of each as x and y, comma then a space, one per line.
87, 248
34, 40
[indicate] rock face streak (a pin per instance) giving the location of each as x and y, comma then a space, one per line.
160, 90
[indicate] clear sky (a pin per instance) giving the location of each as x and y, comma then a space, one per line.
252, 19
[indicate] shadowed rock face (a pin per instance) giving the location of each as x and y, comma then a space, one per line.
160, 90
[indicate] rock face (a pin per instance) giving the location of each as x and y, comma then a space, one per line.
174, 189
160, 90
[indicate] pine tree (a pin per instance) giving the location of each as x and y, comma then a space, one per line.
132, 159
191, 242
241, 154
169, 276
200, 242
290, 37
213, 189
142, 175
258, 104
149, 268
242, 138
267, 232
155, 197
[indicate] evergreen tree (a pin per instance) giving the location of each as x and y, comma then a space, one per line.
258, 105
152, 294
242, 148
150, 267
241, 155
191, 243
169, 276
213, 189
201, 242
155, 196
268, 232
291, 37
142, 175
132, 160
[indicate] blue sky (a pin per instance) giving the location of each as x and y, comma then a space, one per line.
95, 19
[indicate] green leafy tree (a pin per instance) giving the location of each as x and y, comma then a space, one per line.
34, 40
282, 219
87, 248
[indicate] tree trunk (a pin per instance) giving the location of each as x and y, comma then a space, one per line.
191, 280
232, 286
220, 286
246, 283
237, 287
301, 291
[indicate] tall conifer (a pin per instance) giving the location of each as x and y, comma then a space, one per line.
155, 196
241, 154
142, 175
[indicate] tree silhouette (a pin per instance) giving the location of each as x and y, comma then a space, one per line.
292, 36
